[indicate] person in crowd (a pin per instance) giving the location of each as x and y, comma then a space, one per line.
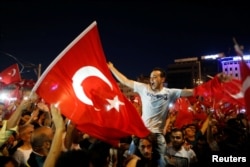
73, 137
23, 152
235, 138
11, 145
145, 154
25, 117
203, 152
39, 121
122, 149
8, 161
192, 132
78, 158
40, 141
54, 147
155, 102
213, 136
169, 126
9, 126
100, 156
176, 153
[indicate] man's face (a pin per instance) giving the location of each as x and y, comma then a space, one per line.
177, 139
190, 131
146, 148
25, 135
156, 81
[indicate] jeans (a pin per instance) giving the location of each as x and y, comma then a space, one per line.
161, 142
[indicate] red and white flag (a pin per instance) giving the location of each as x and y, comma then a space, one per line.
10, 75
245, 77
80, 83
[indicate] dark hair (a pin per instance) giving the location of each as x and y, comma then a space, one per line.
163, 72
188, 126
99, 153
6, 159
174, 130
152, 138
77, 158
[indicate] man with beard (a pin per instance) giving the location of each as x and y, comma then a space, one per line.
177, 154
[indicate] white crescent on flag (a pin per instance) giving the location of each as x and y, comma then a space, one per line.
10, 74
80, 76
13, 72
90, 71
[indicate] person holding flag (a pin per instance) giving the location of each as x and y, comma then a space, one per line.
155, 102
100, 110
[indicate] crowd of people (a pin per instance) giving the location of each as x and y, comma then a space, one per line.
38, 135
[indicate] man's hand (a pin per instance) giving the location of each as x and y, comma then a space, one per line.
57, 118
110, 65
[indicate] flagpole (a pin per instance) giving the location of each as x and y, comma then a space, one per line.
39, 71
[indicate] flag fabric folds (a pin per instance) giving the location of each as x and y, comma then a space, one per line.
79, 82
10, 75
245, 77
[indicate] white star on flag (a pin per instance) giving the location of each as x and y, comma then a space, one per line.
115, 103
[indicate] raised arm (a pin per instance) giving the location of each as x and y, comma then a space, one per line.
120, 77
187, 92
56, 145
16, 116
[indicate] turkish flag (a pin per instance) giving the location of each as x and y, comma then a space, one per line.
231, 91
245, 77
10, 75
82, 86
184, 115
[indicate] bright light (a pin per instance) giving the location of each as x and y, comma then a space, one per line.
170, 105
3, 96
243, 110
245, 57
215, 56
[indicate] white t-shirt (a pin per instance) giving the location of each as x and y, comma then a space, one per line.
155, 106
189, 154
21, 155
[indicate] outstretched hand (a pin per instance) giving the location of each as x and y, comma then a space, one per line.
110, 64
57, 117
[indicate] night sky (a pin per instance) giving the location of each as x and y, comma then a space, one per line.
136, 36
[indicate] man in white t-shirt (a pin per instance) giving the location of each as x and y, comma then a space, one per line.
155, 102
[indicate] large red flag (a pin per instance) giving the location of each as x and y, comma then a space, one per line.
82, 86
10, 75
